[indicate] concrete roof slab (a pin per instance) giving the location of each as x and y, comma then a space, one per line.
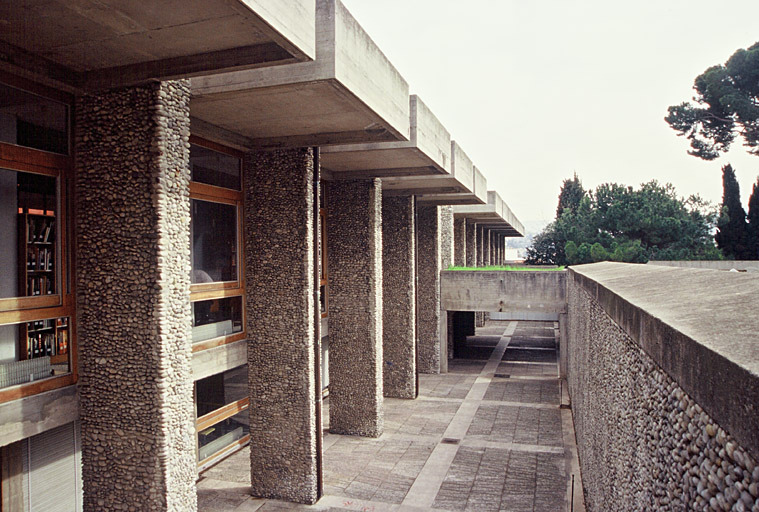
364, 95
426, 152
137, 41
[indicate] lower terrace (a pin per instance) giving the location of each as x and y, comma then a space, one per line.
489, 435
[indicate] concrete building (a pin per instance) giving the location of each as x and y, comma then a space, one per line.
200, 217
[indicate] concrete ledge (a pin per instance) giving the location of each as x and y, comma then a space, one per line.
294, 20
740, 265
35, 414
219, 359
699, 326
502, 291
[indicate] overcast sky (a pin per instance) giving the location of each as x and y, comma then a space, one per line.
534, 90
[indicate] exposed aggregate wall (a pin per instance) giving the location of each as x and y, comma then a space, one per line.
354, 257
399, 291
645, 444
459, 242
428, 256
471, 244
133, 299
446, 237
280, 306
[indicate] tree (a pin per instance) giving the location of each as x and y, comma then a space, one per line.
619, 223
732, 235
570, 195
753, 222
726, 106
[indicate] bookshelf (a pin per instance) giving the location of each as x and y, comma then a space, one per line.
37, 252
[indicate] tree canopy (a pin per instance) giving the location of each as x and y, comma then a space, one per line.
570, 195
753, 222
619, 223
726, 105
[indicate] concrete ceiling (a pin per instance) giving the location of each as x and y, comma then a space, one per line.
495, 215
92, 44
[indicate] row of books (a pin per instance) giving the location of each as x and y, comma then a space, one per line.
40, 258
40, 230
47, 344
40, 285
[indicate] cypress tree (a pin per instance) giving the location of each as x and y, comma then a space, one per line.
570, 195
732, 235
753, 222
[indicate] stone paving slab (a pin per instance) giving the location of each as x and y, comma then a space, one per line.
471, 441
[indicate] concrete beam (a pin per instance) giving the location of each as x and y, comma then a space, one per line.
523, 291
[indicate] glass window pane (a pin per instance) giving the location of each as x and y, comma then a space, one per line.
33, 121
214, 242
28, 248
214, 168
222, 434
215, 318
31, 351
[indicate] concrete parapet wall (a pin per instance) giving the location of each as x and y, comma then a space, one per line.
740, 265
504, 291
664, 382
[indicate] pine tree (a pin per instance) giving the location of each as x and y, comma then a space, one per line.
570, 196
732, 235
753, 222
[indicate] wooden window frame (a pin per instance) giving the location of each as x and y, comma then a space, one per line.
221, 289
15, 310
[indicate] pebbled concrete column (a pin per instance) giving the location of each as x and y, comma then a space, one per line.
280, 306
428, 257
480, 245
486, 252
471, 244
459, 242
398, 296
133, 299
446, 237
354, 252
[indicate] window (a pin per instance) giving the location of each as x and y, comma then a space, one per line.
33, 121
37, 342
217, 288
221, 403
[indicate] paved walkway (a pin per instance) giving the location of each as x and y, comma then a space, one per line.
488, 435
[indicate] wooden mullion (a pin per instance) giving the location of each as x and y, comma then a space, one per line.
222, 413
218, 342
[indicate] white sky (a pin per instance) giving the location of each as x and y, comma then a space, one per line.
534, 90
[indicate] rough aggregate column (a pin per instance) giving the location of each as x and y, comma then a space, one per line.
399, 291
428, 256
486, 253
280, 320
471, 244
459, 242
354, 252
446, 237
480, 245
133, 299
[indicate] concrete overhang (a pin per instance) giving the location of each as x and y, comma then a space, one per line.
350, 93
98, 44
495, 216
465, 184
427, 152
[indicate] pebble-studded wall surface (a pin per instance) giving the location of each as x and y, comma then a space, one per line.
399, 290
471, 244
643, 443
446, 237
354, 253
133, 299
428, 289
279, 238
459, 242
